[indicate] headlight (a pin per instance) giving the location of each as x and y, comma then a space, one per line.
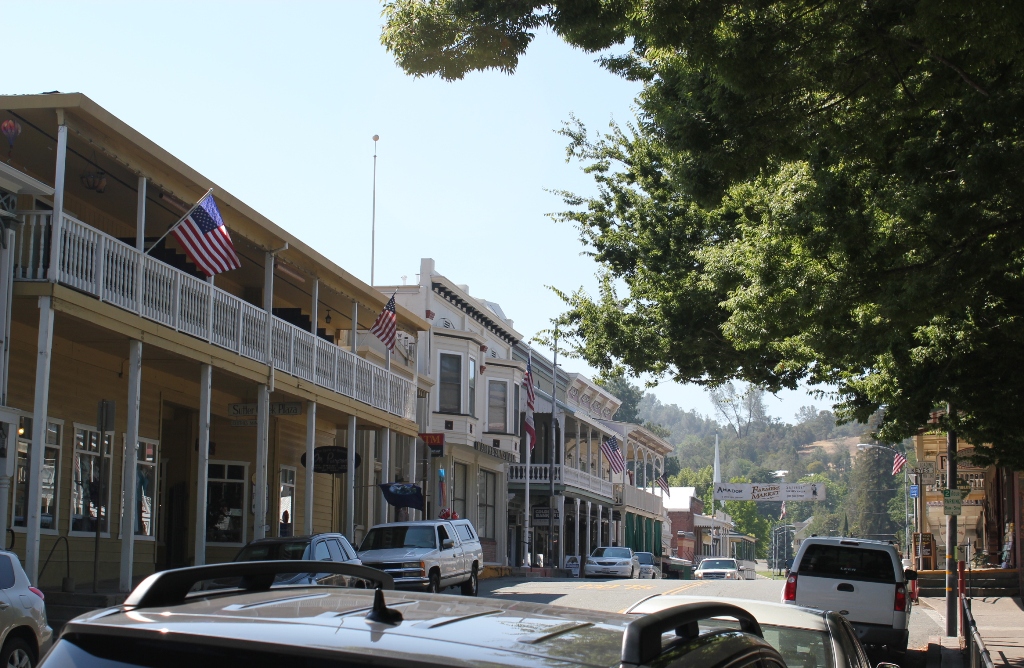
416, 565
590, 561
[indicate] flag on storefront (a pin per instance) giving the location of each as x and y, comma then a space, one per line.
531, 399
611, 451
402, 495
205, 239
898, 462
385, 327
663, 484
783, 513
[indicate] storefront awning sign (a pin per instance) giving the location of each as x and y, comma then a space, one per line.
330, 459
756, 491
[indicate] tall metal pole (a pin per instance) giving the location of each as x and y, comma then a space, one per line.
906, 511
951, 528
527, 542
373, 224
552, 458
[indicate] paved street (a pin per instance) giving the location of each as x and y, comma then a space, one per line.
618, 595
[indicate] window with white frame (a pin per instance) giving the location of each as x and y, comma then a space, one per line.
286, 502
497, 406
515, 408
225, 502
90, 480
450, 383
472, 387
487, 484
147, 456
50, 475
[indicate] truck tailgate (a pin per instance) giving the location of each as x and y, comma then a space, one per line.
858, 601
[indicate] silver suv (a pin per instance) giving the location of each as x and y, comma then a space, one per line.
863, 580
430, 555
24, 633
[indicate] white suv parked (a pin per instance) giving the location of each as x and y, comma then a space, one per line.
863, 580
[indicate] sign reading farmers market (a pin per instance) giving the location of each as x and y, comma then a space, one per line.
777, 491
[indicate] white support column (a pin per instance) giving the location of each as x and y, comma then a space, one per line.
355, 326
58, 197
600, 525
560, 504
576, 524
140, 217
307, 517
350, 477
40, 408
314, 312
205, 388
259, 525
128, 483
385, 472
589, 549
579, 451
413, 446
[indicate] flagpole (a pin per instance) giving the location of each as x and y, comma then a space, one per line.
529, 455
373, 220
180, 220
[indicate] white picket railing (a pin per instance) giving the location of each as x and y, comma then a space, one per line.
634, 497
571, 477
114, 272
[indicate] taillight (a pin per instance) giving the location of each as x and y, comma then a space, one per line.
900, 604
37, 592
789, 593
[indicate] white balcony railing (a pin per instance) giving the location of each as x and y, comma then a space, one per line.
114, 272
570, 477
634, 497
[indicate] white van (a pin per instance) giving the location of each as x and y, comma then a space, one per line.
863, 580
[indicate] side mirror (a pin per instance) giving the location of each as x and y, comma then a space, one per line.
447, 544
910, 576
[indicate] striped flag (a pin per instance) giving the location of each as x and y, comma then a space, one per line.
531, 400
898, 462
611, 451
783, 513
385, 327
663, 484
205, 238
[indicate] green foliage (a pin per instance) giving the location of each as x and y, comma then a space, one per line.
818, 191
626, 392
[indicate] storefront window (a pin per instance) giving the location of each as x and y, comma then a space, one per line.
450, 392
90, 481
50, 476
487, 491
147, 453
459, 489
225, 503
497, 406
286, 502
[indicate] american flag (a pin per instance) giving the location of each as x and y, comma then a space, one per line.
898, 462
663, 484
205, 238
611, 450
783, 513
531, 400
385, 327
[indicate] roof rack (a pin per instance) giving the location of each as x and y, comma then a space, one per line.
173, 586
641, 643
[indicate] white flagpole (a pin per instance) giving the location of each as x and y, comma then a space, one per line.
180, 221
529, 455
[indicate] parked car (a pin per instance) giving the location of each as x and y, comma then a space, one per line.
806, 637
863, 580
318, 547
714, 568
430, 555
649, 568
165, 622
24, 632
618, 561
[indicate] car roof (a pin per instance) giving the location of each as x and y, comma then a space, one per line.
290, 539
425, 523
769, 614
852, 542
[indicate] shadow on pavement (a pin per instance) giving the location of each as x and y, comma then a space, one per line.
524, 596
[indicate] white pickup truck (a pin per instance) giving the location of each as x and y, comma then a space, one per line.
431, 555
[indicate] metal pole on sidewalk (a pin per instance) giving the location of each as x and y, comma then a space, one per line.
951, 527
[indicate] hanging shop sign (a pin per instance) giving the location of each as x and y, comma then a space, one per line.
757, 491
331, 459
435, 442
542, 515
494, 452
276, 408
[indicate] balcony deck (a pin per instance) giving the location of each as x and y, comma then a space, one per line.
564, 475
114, 272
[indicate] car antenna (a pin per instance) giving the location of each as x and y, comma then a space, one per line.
381, 613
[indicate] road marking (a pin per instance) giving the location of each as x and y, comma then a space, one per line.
682, 588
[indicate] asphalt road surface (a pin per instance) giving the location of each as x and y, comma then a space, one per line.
619, 595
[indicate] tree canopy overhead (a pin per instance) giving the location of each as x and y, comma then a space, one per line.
819, 190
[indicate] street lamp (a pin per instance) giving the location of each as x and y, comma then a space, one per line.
906, 494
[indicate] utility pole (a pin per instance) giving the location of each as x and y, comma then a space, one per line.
951, 528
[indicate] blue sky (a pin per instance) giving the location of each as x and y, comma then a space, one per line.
277, 102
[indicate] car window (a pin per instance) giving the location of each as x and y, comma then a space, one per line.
465, 533
386, 538
717, 563
347, 549
274, 551
6, 572
850, 563
644, 557
321, 552
859, 656
801, 648
335, 548
442, 535
613, 552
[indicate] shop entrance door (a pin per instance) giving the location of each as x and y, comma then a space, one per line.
174, 538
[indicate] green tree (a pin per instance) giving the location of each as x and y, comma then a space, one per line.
626, 392
813, 190
872, 490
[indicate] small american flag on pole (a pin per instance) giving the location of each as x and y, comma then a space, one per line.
898, 462
663, 484
205, 238
611, 450
385, 327
531, 400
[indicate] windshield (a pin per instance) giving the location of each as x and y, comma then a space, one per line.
386, 538
612, 552
850, 563
276, 551
717, 563
801, 648
645, 557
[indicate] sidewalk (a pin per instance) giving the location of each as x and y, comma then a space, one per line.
1000, 623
